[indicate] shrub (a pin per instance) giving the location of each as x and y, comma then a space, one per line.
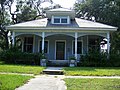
13, 55
97, 59
94, 59
115, 59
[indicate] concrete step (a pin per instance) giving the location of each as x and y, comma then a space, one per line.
53, 71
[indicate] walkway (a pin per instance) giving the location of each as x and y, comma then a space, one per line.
45, 82
53, 82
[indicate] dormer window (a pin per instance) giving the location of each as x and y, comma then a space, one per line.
60, 20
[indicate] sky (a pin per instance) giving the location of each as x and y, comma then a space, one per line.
63, 3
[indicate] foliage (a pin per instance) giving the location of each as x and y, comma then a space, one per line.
72, 58
30, 9
4, 20
105, 11
13, 55
92, 71
21, 69
97, 59
94, 59
114, 59
11, 82
92, 84
26, 14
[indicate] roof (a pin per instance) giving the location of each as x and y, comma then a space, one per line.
60, 9
60, 12
78, 23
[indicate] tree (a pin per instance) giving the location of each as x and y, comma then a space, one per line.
4, 20
104, 11
32, 8
26, 14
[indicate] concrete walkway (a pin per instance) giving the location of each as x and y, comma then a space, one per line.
53, 82
45, 82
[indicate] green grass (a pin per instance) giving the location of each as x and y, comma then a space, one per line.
21, 69
10, 82
92, 71
92, 84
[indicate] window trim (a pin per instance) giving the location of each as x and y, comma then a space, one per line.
60, 17
39, 46
73, 45
28, 44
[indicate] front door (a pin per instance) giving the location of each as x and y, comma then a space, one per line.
60, 50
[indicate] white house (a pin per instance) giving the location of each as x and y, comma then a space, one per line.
60, 35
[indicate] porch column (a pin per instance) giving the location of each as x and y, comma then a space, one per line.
76, 35
43, 41
108, 43
13, 38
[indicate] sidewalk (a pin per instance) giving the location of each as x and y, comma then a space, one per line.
53, 82
44, 82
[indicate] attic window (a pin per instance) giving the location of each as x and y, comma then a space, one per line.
60, 20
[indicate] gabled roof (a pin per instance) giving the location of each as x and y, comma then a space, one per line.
79, 24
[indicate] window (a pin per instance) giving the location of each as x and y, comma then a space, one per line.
56, 20
79, 47
28, 44
63, 20
45, 47
60, 20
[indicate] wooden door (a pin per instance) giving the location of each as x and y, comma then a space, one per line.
60, 50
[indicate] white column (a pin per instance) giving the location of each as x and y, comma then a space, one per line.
76, 44
87, 44
108, 43
13, 38
34, 44
43, 41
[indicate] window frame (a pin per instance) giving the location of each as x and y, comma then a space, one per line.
60, 17
27, 44
77, 47
44, 43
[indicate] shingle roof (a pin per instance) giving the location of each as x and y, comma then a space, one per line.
77, 23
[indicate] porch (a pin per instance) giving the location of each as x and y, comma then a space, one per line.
61, 46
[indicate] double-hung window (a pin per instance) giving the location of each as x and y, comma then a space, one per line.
79, 47
60, 20
28, 44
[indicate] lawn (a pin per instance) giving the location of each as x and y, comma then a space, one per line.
92, 71
92, 84
10, 82
21, 69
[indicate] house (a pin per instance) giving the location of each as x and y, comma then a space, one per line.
60, 35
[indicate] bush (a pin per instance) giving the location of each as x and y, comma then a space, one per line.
115, 59
13, 55
94, 59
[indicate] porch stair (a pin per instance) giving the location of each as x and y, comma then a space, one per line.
53, 71
58, 63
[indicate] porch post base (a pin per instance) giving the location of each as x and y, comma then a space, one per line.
72, 65
43, 62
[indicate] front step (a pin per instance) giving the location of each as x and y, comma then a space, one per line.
58, 63
53, 71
